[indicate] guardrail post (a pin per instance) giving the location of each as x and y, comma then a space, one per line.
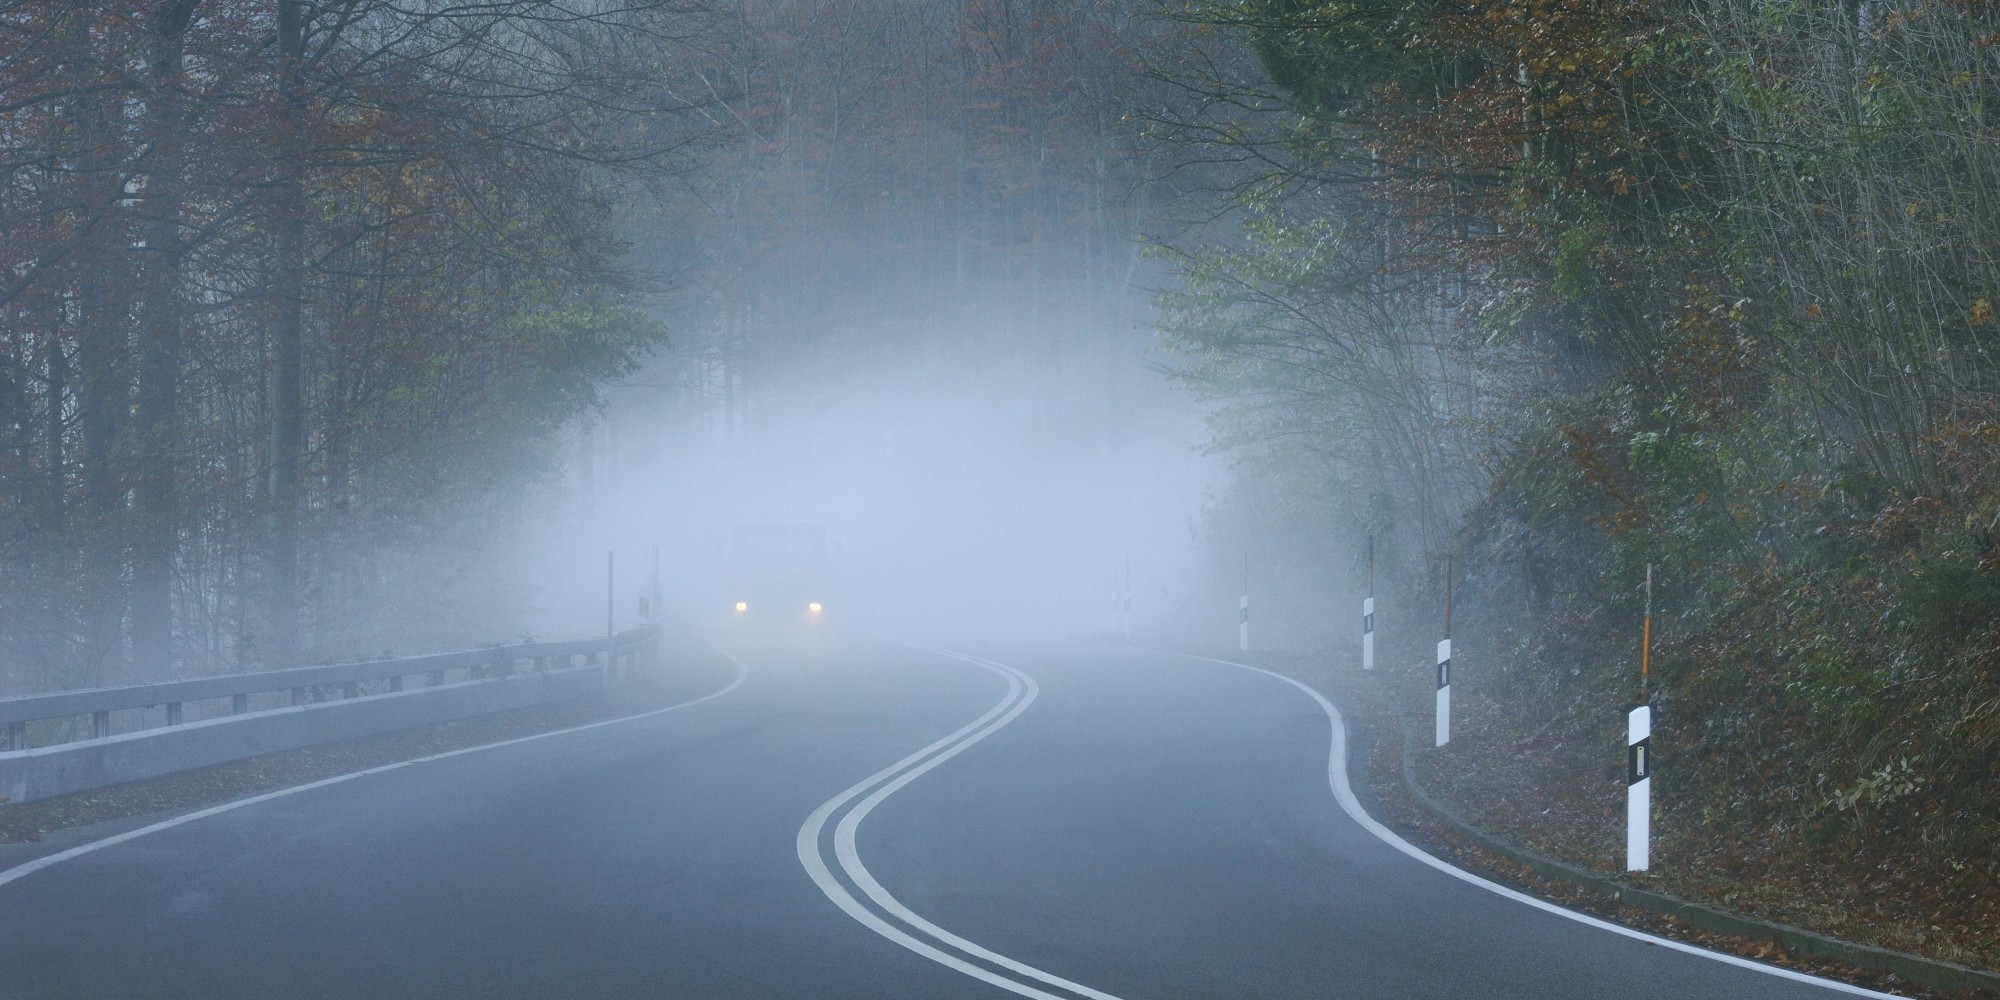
173, 713
351, 689
298, 696
17, 736
239, 704
396, 683
100, 725
437, 678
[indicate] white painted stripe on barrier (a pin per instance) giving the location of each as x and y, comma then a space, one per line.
29, 868
1343, 792
1021, 691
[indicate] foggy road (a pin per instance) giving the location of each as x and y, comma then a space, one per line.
1088, 821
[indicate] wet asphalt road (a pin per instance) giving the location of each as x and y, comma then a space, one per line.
1146, 827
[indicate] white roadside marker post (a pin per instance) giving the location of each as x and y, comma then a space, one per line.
1368, 633
1638, 789
1368, 613
1638, 752
1243, 606
1444, 666
1444, 692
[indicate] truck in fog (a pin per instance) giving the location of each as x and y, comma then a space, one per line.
780, 572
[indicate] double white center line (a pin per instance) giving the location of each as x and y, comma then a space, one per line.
881, 912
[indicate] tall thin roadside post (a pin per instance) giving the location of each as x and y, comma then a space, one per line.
1646, 642
1444, 664
655, 611
1243, 606
1368, 613
1638, 752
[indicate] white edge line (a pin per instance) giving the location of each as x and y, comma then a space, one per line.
1336, 769
29, 868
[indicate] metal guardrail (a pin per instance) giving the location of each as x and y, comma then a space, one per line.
487, 662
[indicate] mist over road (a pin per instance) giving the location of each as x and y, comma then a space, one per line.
1144, 826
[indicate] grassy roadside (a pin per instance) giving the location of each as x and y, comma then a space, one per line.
1481, 785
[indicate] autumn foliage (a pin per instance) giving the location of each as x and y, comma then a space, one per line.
1546, 292
283, 288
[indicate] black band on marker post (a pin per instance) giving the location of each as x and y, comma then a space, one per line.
1639, 761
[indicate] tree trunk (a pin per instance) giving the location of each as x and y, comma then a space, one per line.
288, 357
156, 512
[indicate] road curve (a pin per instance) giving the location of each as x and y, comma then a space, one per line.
1166, 826
1065, 821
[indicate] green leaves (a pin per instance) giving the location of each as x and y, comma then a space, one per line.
1576, 251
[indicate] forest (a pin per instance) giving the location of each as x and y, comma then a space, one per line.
1538, 295
1530, 298
300, 296
281, 281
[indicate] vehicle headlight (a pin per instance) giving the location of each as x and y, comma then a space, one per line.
813, 607
742, 605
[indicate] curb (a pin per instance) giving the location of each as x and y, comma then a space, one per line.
1936, 974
